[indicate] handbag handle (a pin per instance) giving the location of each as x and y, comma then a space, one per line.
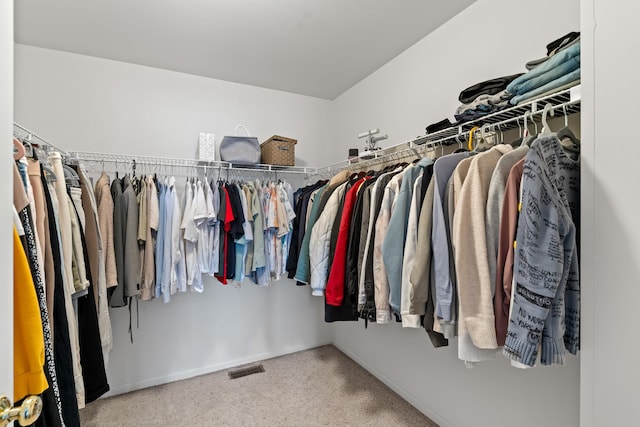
245, 129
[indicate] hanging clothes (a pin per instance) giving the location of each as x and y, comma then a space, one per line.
91, 356
63, 215
422, 291
381, 279
394, 242
105, 206
545, 314
65, 328
52, 404
356, 238
28, 337
476, 330
148, 275
442, 262
320, 241
504, 261
190, 236
366, 287
337, 274
97, 264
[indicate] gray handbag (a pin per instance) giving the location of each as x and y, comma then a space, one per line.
240, 149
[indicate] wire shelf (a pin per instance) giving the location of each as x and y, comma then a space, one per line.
567, 100
21, 131
76, 157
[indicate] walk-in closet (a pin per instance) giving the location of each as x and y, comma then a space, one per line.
319, 213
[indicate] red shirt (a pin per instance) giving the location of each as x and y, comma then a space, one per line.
228, 219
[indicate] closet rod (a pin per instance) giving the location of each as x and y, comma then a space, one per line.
31, 134
76, 157
459, 136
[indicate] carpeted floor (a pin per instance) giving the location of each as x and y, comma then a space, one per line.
318, 387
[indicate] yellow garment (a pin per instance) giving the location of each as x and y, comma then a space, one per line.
28, 338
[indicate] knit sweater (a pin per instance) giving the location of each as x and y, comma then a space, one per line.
474, 283
494, 204
546, 303
105, 219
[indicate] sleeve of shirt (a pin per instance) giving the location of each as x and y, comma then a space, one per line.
381, 281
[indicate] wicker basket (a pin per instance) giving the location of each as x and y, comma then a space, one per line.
278, 150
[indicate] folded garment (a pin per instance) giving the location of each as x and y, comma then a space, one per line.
543, 68
560, 70
442, 124
489, 87
470, 115
530, 97
484, 103
550, 87
533, 64
479, 112
562, 41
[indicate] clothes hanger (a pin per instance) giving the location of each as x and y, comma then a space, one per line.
49, 174
23, 146
477, 148
470, 145
500, 138
71, 176
546, 129
460, 140
18, 149
566, 133
518, 142
527, 138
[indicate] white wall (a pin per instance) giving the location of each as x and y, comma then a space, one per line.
610, 268
90, 104
93, 104
489, 39
6, 195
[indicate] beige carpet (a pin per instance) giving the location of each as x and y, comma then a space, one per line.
319, 387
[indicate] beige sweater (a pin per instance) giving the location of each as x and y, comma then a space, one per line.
471, 255
105, 220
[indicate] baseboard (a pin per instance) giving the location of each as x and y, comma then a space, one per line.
182, 375
396, 388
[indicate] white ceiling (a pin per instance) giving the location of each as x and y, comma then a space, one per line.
312, 47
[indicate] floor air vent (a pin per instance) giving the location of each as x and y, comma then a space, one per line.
243, 372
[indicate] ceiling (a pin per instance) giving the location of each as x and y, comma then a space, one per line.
312, 47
